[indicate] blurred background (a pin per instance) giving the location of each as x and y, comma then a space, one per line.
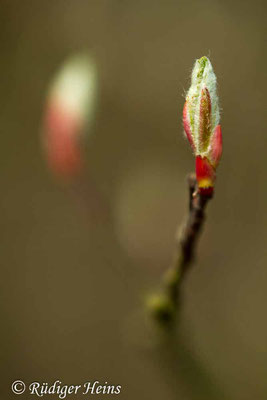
78, 258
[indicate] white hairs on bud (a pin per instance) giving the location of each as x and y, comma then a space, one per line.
202, 77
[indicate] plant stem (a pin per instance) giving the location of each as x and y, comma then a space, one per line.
165, 307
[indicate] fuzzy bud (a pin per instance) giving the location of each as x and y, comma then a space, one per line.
201, 118
69, 110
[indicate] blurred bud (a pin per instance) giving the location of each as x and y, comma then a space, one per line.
69, 110
201, 118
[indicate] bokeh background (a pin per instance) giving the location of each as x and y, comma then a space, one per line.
72, 285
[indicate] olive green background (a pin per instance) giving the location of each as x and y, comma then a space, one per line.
73, 283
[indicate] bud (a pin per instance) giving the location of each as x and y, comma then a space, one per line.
69, 109
201, 118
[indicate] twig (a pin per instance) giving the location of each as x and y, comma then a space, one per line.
165, 306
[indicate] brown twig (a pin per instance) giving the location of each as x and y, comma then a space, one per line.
164, 307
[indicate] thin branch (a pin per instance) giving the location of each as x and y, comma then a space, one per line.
165, 306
